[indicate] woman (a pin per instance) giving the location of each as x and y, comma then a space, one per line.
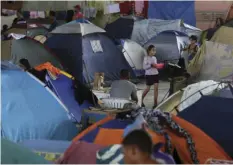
152, 75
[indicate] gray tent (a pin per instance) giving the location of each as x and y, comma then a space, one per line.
168, 45
14, 50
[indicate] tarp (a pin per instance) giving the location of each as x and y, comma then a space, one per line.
141, 31
214, 62
63, 87
31, 111
214, 116
12, 153
146, 29
83, 56
100, 132
169, 10
30, 49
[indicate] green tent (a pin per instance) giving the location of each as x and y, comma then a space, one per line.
12, 153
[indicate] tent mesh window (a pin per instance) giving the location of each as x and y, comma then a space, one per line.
96, 46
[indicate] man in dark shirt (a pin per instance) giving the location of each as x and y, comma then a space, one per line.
27, 67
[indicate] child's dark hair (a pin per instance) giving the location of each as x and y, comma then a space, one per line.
150, 48
194, 38
139, 138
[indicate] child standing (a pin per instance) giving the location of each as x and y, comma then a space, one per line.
152, 75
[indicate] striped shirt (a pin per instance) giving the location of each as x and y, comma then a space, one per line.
147, 62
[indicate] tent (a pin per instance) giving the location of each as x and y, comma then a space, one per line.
85, 49
141, 31
122, 28
12, 153
168, 45
223, 35
30, 110
14, 50
63, 88
51, 150
100, 132
213, 115
192, 93
134, 54
219, 55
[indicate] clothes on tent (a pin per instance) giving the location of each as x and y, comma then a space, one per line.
155, 117
13, 153
48, 66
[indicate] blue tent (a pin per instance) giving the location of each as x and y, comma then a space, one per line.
30, 110
85, 49
213, 115
62, 87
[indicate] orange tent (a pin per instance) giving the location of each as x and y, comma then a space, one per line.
110, 131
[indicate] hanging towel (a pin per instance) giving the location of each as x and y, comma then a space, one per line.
139, 6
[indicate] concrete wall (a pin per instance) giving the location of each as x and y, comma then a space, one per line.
208, 11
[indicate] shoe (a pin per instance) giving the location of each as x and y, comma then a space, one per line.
143, 105
154, 106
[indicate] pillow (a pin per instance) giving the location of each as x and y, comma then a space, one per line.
110, 155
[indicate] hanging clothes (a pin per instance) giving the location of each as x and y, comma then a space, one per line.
139, 5
126, 8
141, 8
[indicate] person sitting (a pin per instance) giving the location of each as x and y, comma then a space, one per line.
137, 148
24, 63
124, 88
